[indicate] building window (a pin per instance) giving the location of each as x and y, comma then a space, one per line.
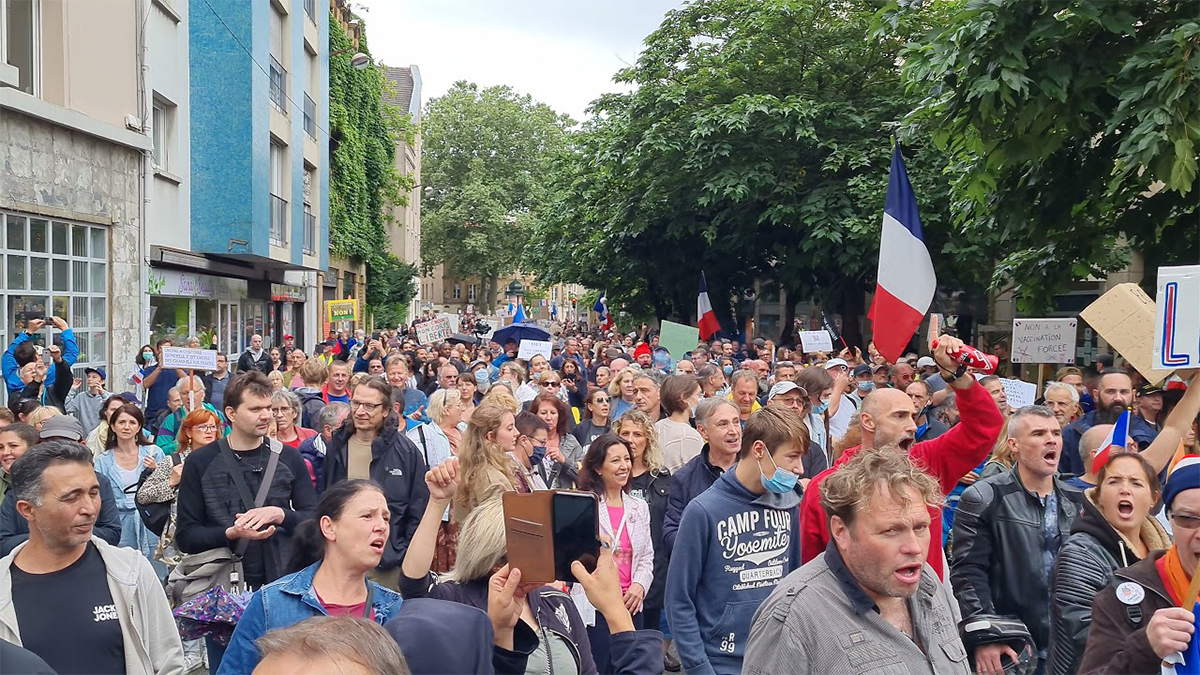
458, 291
348, 286
472, 292
20, 48
279, 205
278, 72
310, 218
310, 10
163, 123
56, 268
310, 117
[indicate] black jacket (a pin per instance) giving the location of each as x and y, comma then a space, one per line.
657, 493
585, 432
996, 566
14, 529
311, 405
692, 478
1117, 642
397, 465
55, 395
247, 362
1085, 566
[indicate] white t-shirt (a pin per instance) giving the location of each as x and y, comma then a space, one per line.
679, 443
840, 423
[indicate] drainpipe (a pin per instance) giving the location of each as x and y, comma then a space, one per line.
147, 167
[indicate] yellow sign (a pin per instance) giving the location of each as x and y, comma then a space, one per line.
341, 310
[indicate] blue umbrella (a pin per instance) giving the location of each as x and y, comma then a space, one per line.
518, 332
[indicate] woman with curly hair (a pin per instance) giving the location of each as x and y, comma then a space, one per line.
485, 455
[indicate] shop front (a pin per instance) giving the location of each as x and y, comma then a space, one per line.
273, 310
186, 304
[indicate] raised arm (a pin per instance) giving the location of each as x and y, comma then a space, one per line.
442, 481
1176, 427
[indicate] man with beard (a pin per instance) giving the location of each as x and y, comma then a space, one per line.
871, 586
1113, 395
887, 418
1007, 531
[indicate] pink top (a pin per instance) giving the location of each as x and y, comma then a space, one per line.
623, 551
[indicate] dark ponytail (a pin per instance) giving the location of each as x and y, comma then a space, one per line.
308, 544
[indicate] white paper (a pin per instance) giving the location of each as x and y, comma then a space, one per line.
1044, 340
531, 348
1177, 318
434, 330
1019, 393
816, 341
189, 359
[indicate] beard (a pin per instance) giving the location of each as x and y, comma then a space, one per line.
1108, 412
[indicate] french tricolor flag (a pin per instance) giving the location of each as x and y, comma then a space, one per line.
906, 281
601, 308
704, 312
1117, 437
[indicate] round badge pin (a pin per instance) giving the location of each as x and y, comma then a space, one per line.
1130, 593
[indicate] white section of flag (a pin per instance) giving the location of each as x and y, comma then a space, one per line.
905, 269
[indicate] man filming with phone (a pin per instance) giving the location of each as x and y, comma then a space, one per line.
23, 351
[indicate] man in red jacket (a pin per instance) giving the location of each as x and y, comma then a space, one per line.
888, 418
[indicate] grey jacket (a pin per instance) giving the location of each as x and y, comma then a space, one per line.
819, 620
147, 627
86, 406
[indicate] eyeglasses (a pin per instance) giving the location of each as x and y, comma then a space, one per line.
207, 428
601, 400
369, 407
1185, 522
551, 384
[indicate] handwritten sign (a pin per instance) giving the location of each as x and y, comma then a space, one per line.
1177, 318
814, 341
434, 330
189, 359
532, 348
677, 338
341, 310
1044, 340
1019, 393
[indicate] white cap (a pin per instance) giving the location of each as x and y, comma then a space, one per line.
838, 363
926, 362
781, 388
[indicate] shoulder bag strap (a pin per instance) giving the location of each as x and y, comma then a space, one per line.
424, 444
370, 600
235, 471
269, 474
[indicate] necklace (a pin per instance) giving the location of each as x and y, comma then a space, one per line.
241, 457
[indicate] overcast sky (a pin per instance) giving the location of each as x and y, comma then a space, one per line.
563, 53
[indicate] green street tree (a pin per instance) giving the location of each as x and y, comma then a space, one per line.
755, 145
1072, 128
485, 154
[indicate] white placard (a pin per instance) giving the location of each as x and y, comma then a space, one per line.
434, 330
189, 359
1019, 393
1044, 340
531, 348
1177, 318
814, 341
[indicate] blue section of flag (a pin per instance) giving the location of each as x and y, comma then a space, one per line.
519, 317
1120, 431
901, 202
599, 306
1191, 655
704, 284
554, 311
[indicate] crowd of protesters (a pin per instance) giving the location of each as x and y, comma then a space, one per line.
762, 510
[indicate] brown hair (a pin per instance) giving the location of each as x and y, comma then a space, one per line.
869, 472
563, 410
134, 412
1147, 467
595, 457
775, 426
313, 372
251, 382
675, 390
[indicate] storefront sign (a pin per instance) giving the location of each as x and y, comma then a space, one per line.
341, 310
187, 285
189, 359
286, 293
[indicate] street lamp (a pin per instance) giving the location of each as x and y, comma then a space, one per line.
358, 62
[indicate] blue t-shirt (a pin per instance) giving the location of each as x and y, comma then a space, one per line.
156, 396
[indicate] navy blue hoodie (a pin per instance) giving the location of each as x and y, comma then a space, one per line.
732, 548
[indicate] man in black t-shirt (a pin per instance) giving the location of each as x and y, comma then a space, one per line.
81, 605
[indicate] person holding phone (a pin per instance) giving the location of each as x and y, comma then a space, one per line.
537, 628
22, 351
47, 379
625, 521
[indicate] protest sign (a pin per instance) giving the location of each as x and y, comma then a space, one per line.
1124, 317
189, 359
1177, 318
1019, 393
434, 330
532, 348
341, 310
814, 341
1043, 340
678, 339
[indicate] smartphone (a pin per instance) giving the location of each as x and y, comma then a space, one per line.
46, 357
547, 530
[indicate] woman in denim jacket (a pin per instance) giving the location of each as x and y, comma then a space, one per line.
333, 552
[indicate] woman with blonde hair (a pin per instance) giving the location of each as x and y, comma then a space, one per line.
620, 390
1002, 458
39, 416
487, 467
276, 380
499, 394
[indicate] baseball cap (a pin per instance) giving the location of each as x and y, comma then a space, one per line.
759, 342
289, 336
836, 363
1147, 389
781, 388
862, 369
926, 361
62, 426
98, 371
1185, 476
876, 367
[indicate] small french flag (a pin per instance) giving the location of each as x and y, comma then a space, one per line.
1117, 437
704, 312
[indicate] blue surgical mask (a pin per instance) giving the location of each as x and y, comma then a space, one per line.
728, 370
781, 482
867, 386
820, 408
481, 377
147, 356
538, 454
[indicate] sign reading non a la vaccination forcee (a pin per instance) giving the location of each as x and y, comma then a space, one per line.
189, 359
1044, 340
1177, 318
814, 341
434, 330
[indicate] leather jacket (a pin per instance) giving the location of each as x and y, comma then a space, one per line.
996, 566
1086, 563
1117, 642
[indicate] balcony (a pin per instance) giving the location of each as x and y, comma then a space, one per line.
310, 231
279, 86
310, 117
279, 221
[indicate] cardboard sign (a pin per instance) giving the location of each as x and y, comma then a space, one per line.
814, 341
1124, 317
1177, 318
434, 330
1044, 340
189, 359
532, 348
341, 310
678, 339
1019, 393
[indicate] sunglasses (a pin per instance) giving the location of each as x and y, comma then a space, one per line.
552, 384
